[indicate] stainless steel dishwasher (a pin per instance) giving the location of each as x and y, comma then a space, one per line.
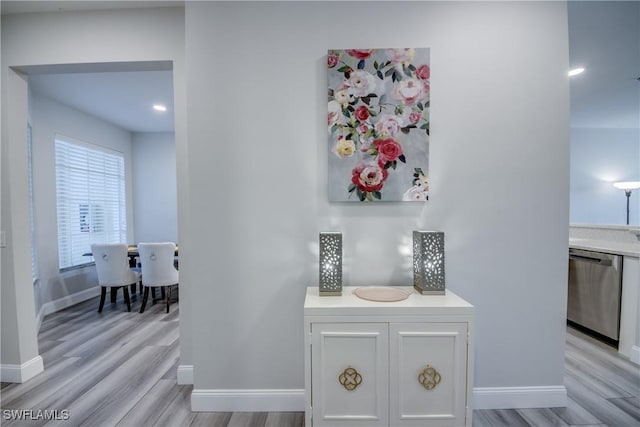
595, 287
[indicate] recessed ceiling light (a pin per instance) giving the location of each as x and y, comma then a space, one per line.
575, 71
159, 107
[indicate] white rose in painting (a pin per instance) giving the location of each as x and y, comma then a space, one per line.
388, 125
400, 55
361, 83
335, 111
342, 96
409, 91
415, 193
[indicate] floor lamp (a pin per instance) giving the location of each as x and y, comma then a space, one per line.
628, 187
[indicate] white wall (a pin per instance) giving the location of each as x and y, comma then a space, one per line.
30, 41
154, 181
599, 157
256, 89
49, 118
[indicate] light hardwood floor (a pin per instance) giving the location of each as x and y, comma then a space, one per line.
119, 369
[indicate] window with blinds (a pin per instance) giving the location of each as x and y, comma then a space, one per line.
90, 193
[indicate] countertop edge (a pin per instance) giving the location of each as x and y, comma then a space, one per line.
616, 248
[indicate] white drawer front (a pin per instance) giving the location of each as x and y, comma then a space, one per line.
428, 374
350, 374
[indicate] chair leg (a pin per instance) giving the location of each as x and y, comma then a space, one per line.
125, 290
103, 296
144, 299
168, 297
114, 293
133, 288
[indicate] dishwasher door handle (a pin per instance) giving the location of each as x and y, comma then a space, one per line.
595, 260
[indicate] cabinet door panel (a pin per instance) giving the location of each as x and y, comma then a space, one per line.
428, 374
350, 374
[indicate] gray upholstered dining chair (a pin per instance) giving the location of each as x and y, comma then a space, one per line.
158, 271
112, 266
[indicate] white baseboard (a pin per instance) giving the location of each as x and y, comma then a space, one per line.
185, 374
21, 373
64, 302
635, 355
519, 397
280, 400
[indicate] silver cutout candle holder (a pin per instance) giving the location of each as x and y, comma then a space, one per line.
330, 263
428, 262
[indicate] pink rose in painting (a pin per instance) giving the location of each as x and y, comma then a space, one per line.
360, 53
409, 91
388, 149
361, 83
423, 72
332, 60
414, 117
369, 176
362, 113
388, 125
400, 55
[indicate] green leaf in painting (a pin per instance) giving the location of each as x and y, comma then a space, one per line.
412, 67
369, 197
344, 69
420, 106
373, 113
389, 72
352, 187
393, 76
362, 195
361, 64
366, 99
375, 64
379, 74
383, 98
372, 95
377, 195
387, 165
330, 92
402, 158
406, 70
405, 130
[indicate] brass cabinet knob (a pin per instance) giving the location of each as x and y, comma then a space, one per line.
350, 379
429, 378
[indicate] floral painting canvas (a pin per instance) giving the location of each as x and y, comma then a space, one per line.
378, 124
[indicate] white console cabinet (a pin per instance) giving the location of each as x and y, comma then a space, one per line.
406, 363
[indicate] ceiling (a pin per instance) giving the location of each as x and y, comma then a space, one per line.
123, 98
604, 38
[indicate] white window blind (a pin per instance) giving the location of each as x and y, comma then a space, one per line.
90, 191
